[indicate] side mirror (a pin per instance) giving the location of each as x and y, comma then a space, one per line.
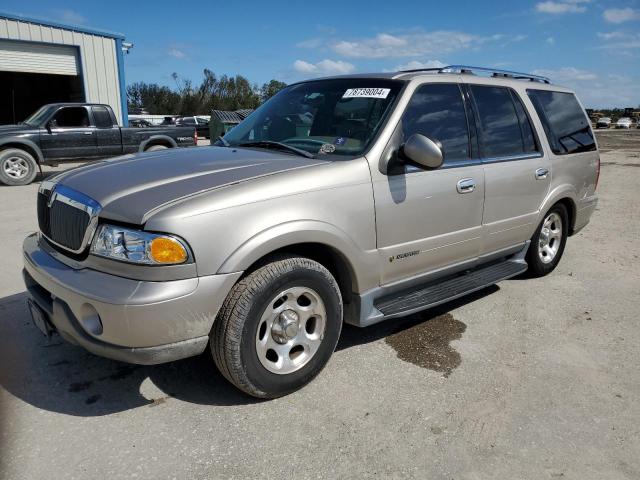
51, 124
423, 151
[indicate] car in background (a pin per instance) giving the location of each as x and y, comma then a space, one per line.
604, 122
140, 123
61, 132
624, 122
201, 124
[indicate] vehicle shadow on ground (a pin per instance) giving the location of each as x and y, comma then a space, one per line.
56, 376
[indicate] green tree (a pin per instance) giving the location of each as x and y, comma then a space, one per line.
269, 89
213, 93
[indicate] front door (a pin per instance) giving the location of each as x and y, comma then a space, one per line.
517, 173
429, 219
69, 134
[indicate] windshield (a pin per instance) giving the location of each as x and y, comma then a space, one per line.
36, 118
325, 117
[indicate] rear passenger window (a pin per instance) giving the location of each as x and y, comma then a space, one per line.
565, 123
500, 131
437, 111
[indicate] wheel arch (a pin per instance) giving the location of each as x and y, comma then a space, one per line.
27, 145
566, 195
158, 140
315, 240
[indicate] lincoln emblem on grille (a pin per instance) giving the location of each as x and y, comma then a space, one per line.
67, 218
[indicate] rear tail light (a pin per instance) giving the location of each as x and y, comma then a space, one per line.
195, 137
597, 173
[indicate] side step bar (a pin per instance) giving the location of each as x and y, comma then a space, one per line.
423, 297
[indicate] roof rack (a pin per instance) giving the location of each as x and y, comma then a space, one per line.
466, 69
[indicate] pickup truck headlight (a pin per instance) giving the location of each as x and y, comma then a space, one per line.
136, 246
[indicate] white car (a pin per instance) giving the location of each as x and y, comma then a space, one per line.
624, 122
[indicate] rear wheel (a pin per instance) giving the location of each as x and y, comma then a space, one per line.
278, 327
154, 148
17, 167
548, 242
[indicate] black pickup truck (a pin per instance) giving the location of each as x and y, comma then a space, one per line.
61, 132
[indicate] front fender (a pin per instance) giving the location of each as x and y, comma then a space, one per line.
31, 146
361, 264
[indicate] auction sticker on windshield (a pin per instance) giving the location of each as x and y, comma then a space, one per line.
366, 93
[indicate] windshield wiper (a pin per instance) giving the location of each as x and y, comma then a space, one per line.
224, 142
277, 145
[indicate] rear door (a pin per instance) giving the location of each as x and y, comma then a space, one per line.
107, 131
516, 171
69, 135
428, 219
574, 157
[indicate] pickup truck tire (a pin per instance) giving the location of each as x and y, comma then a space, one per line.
548, 242
278, 327
154, 148
17, 167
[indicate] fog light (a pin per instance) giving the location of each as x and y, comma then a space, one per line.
90, 319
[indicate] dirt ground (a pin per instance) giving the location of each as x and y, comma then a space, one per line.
618, 139
530, 379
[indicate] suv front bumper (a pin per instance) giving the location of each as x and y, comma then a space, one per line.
129, 320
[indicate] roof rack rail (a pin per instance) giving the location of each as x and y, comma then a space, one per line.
462, 69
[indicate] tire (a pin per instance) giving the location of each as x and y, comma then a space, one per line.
252, 325
17, 167
541, 260
155, 148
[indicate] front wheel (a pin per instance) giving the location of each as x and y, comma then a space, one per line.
17, 167
548, 242
278, 327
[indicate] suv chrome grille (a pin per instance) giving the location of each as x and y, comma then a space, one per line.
67, 218
43, 211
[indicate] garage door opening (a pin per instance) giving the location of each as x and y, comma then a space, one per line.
21, 94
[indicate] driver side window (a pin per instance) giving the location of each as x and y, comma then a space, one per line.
70, 117
437, 111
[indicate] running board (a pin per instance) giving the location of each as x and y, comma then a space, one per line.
423, 297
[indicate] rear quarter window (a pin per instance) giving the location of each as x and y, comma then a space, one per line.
567, 127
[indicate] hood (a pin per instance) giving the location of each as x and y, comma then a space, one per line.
13, 129
130, 188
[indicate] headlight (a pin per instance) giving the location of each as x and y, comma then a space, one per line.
136, 246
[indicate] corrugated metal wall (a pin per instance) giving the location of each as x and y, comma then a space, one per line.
98, 62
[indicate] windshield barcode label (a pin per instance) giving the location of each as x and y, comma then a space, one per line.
366, 93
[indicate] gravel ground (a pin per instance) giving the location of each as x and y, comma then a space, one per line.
530, 379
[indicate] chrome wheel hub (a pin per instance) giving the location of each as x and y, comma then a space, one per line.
285, 327
16, 167
550, 238
291, 330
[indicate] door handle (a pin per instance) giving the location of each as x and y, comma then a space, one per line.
87, 133
466, 185
541, 173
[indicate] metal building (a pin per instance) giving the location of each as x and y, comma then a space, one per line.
222, 121
44, 62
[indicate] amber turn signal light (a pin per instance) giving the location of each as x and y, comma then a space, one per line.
168, 250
